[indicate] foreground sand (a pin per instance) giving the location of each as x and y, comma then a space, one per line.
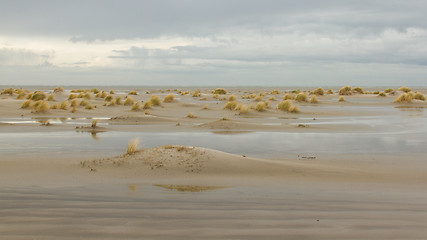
185, 192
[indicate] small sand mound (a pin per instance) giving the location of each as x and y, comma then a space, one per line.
224, 124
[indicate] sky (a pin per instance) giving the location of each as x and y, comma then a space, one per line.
213, 43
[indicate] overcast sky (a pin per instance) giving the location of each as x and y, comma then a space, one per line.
212, 43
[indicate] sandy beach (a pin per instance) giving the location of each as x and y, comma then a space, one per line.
213, 166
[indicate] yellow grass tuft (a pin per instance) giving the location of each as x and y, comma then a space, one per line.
272, 99
301, 97
275, 92
147, 105
37, 95
319, 91
95, 90
9, 91
231, 105
232, 98
21, 95
330, 91
136, 106
26, 104
155, 100
73, 103
72, 96
133, 92
389, 90
87, 96
64, 105
314, 99
108, 98
405, 89
129, 101
289, 97
83, 103
112, 92
382, 94
294, 109
191, 115
89, 107
206, 107
197, 93
58, 90
51, 97
404, 97
341, 99
74, 109
242, 108
169, 98
132, 146
220, 91
261, 106
94, 122
258, 98
345, 91
54, 106
419, 96
41, 106
119, 100
284, 105
358, 90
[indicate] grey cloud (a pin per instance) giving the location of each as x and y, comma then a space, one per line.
23, 57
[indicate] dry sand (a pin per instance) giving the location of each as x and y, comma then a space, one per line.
185, 192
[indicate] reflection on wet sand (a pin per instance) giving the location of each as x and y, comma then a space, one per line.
189, 188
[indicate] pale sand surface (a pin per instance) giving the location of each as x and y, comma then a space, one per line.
183, 192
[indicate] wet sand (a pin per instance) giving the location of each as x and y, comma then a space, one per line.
185, 192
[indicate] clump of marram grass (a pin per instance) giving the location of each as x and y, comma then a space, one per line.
191, 115
129, 101
89, 107
87, 96
197, 93
58, 89
389, 90
261, 106
206, 107
341, 99
220, 91
382, 94
83, 103
314, 99
155, 100
376, 92
330, 91
275, 92
9, 91
258, 98
112, 92
37, 95
64, 105
95, 90
54, 106
294, 109
112, 103
301, 97
319, 91
136, 106
72, 96
169, 98
405, 89
30, 95
26, 104
231, 105
21, 95
133, 92
147, 104
41, 106
284, 105
358, 90
345, 91
119, 100
103, 94
419, 96
272, 99
51, 97
132, 146
242, 108
74, 109
94, 122
74, 103
108, 98
289, 97
232, 98
404, 97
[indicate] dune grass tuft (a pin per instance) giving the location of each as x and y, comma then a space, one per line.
191, 115
242, 108
155, 100
95, 90
112, 92
231, 105
136, 106
89, 107
21, 95
389, 90
118, 100
341, 99
58, 89
74, 109
37, 95
405, 89
232, 98
9, 91
284, 105
72, 96
197, 93
132, 146
314, 99
51, 97
133, 92
345, 90
382, 94
261, 106
94, 122
404, 97
358, 90
26, 104
64, 105
419, 96
258, 98
54, 106
206, 107
147, 104
301, 97
41, 106
74, 103
330, 91
109, 98
220, 91
289, 97
87, 96
129, 101
169, 98
319, 91
83, 103
294, 109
